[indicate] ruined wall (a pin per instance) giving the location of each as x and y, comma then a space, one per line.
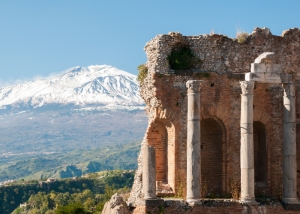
224, 62
214, 207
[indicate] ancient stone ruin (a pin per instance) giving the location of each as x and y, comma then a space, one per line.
228, 127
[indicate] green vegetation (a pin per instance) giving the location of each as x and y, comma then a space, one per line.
71, 209
87, 193
143, 71
74, 163
182, 58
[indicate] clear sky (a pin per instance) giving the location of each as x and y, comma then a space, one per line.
38, 38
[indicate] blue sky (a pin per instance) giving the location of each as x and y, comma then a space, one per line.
38, 38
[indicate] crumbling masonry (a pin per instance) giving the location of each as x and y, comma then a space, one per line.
231, 122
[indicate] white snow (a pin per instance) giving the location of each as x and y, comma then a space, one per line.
96, 84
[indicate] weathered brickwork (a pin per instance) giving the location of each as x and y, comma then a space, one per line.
224, 63
213, 207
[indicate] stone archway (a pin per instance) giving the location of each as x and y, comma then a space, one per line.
212, 140
161, 135
158, 137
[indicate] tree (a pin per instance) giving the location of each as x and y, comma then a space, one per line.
71, 209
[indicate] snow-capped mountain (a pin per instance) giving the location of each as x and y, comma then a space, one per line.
82, 86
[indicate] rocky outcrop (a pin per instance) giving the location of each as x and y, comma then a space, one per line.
116, 205
136, 191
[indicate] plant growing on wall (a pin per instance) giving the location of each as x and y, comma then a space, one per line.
235, 189
182, 58
143, 71
203, 188
241, 36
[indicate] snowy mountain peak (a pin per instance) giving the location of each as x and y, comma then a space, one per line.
92, 85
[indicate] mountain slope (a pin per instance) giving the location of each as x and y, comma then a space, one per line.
83, 109
99, 84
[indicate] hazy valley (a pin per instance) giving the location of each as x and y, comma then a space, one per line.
46, 133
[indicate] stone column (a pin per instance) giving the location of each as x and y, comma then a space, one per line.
246, 151
193, 192
149, 172
289, 146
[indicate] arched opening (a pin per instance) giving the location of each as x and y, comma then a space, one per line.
161, 135
212, 138
260, 158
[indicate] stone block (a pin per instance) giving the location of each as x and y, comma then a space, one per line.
153, 202
263, 77
291, 206
286, 78
266, 68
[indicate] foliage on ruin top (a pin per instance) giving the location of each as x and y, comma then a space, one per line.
241, 36
143, 71
182, 58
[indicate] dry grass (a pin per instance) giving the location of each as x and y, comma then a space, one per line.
235, 189
241, 36
180, 190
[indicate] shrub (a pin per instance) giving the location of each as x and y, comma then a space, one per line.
182, 58
71, 209
241, 36
143, 71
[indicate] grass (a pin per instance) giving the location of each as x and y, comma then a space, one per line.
241, 36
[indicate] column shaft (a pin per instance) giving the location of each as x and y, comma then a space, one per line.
289, 146
246, 150
193, 142
149, 172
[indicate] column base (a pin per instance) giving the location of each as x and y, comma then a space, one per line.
194, 201
249, 201
290, 201
290, 204
152, 202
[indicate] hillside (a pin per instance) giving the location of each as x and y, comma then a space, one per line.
74, 163
71, 124
62, 191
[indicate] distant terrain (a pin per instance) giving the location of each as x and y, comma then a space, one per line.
91, 191
73, 163
46, 133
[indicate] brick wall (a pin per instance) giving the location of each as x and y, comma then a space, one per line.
212, 173
225, 61
217, 208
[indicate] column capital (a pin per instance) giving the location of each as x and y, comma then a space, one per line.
194, 85
247, 86
289, 89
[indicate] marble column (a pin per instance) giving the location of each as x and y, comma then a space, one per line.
149, 172
193, 192
246, 150
289, 146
